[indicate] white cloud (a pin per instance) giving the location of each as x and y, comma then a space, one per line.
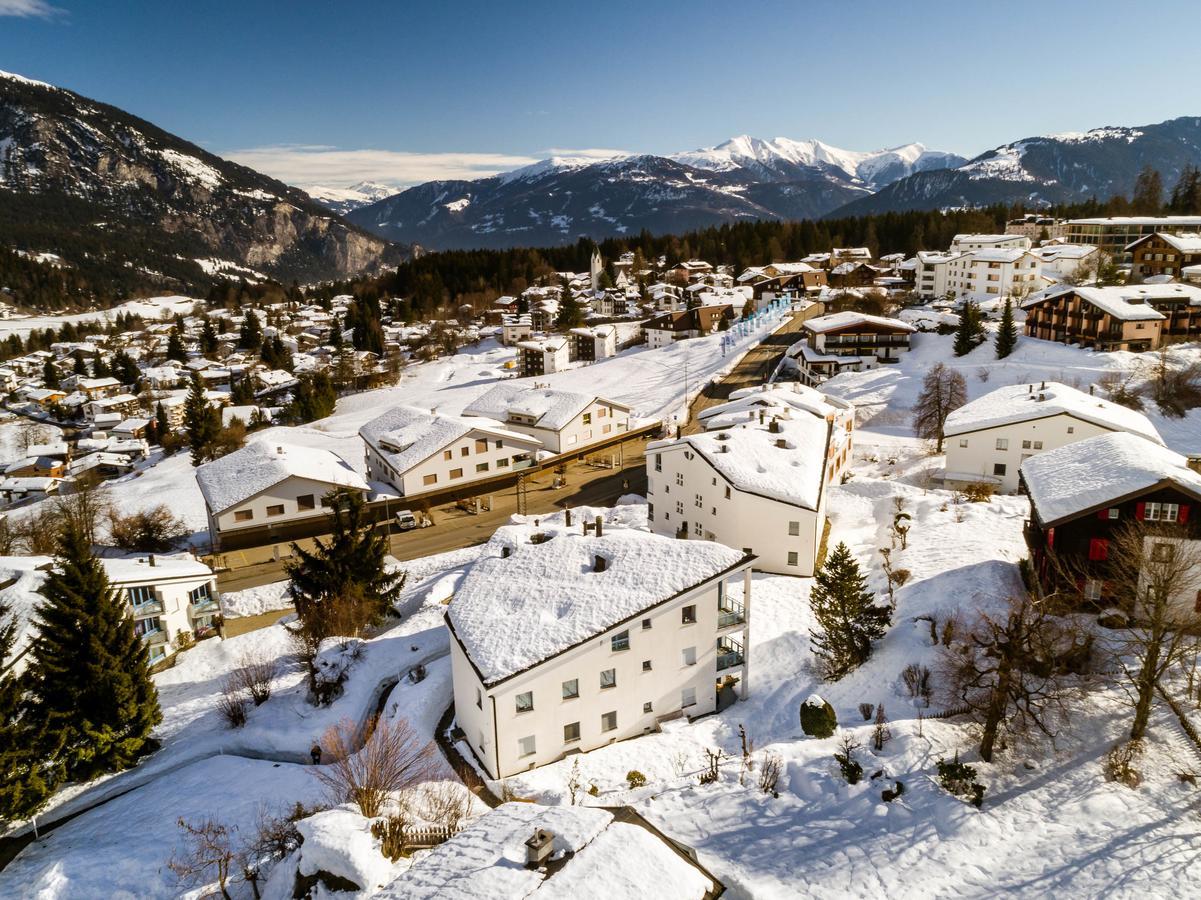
29, 9
314, 164
310, 165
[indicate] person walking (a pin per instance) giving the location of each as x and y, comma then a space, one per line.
315, 753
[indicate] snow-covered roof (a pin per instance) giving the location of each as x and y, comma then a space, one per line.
1184, 241
550, 408
140, 570
746, 403
406, 436
752, 459
604, 859
1130, 303
511, 613
847, 319
1083, 476
261, 464
1023, 402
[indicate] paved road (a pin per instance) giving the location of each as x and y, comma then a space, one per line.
753, 369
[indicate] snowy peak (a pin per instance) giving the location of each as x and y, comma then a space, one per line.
343, 200
782, 156
556, 165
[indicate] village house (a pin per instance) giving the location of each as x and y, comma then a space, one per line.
270, 484
120, 405
853, 274
988, 439
757, 479
591, 344
962, 243
848, 341
568, 638
562, 421
1059, 262
1113, 234
98, 388
664, 330
688, 271
416, 452
1124, 317
1164, 254
1082, 494
514, 329
1035, 226
543, 357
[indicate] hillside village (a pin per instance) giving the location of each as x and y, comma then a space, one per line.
655, 579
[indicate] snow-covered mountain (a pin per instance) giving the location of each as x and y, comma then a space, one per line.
781, 157
1052, 168
113, 194
343, 200
561, 199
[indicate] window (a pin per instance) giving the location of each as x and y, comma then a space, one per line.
688, 615
151, 625
430, 479
1092, 590
620, 641
646, 624
525, 746
1025, 445
1113, 513
605, 429
998, 468
481, 467
479, 698
571, 689
792, 558
680, 478
464, 450
481, 445
1038, 445
602, 412
679, 507
1162, 553
306, 501
140, 596
1002, 443
1162, 512
1071, 429
243, 515
587, 418
646, 665
658, 463
275, 510
688, 697
650, 511
794, 529
696, 529
456, 473
963, 442
201, 594
688, 656
699, 501
647, 707
525, 702
608, 679
727, 492
448, 454
1098, 549
571, 733
609, 721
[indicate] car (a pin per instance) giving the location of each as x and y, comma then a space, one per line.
405, 520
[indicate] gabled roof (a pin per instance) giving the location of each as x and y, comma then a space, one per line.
550, 408
1184, 241
406, 436
841, 320
1129, 303
262, 464
512, 613
1023, 402
1078, 478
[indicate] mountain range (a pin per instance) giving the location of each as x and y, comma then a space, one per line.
560, 200
127, 203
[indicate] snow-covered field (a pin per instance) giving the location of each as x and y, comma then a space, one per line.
151, 309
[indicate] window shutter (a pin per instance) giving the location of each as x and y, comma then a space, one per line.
1140, 511
1182, 516
1197, 603
1103, 513
1050, 537
1098, 549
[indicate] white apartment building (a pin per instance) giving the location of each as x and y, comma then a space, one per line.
984, 274
760, 485
1058, 262
988, 439
565, 641
167, 595
965, 242
415, 452
269, 483
543, 357
591, 344
563, 421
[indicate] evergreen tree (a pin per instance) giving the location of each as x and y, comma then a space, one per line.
971, 329
26, 778
251, 337
1186, 195
162, 425
89, 677
314, 398
100, 367
349, 564
203, 423
1147, 199
175, 347
847, 618
50, 375
80, 366
1007, 334
571, 311
208, 337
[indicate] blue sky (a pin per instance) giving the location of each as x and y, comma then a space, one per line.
331, 92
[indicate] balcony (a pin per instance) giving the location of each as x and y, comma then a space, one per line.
154, 638
149, 608
204, 606
729, 654
730, 613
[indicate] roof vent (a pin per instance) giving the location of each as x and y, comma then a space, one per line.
506, 552
774, 427
1194, 462
781, 443
539, 848
279, 450
599, 563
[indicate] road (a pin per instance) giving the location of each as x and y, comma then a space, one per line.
454, 528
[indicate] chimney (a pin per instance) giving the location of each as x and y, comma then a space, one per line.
506, 552
781, 443
1029, 389
760, 417
279, 450
599, 563
539, 848
774, 427
1043, 386
567, 513
1194, 462
151, 558
600, 527
1090, 389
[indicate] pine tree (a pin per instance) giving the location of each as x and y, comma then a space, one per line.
26, 778
971, 329
50, 375
1007, 334
89, 677
847, 617
1147, 199
80, 366
208, 337
175, 347
251, 336
349, 564
201, 421
571, 311
162, 425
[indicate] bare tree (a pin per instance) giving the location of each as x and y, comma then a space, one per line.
86, 504
1155, 571
154, 530
943, 391
1175, 388
442, 803
1011, 669
255, 673
231, 702
373, 761
209, 854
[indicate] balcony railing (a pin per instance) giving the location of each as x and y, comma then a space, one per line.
154, 638
730, 614
205, 606
149, 608
729, 654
